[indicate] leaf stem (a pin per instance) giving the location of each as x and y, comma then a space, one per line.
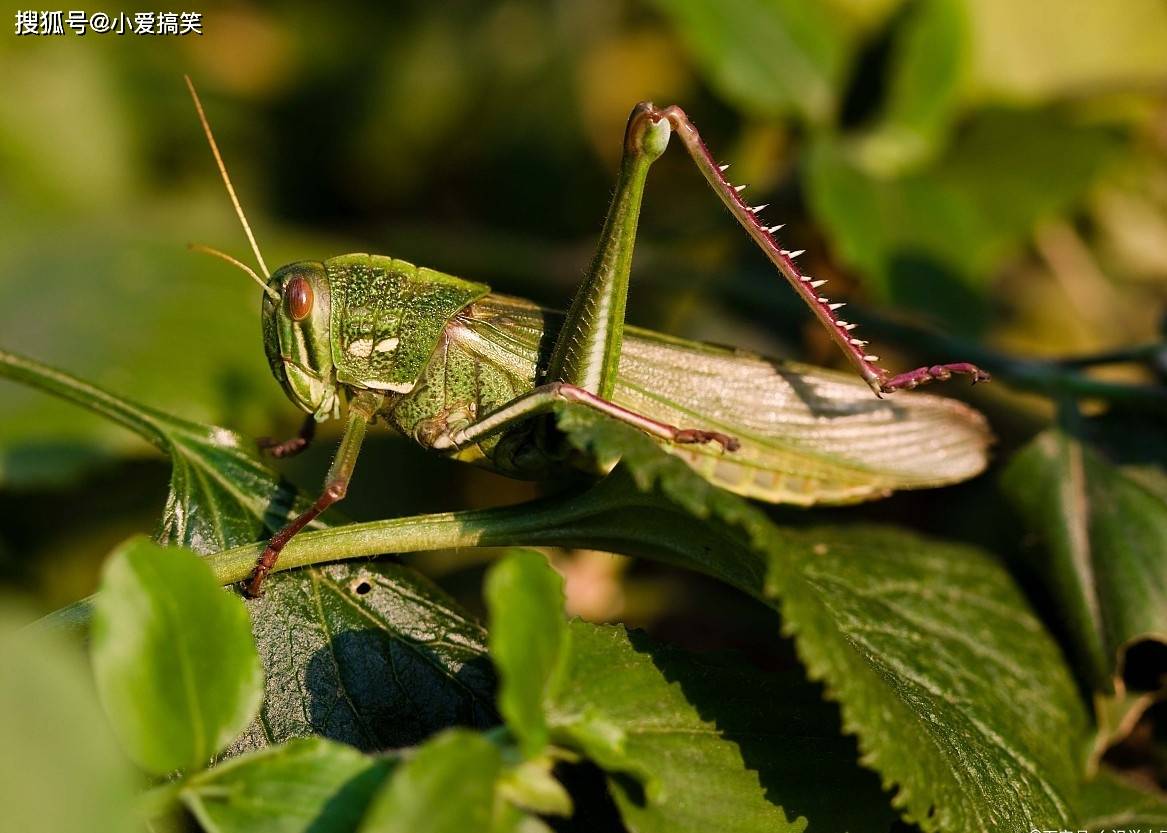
57, 382
548, 522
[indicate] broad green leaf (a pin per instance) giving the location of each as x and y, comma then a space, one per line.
1103, 524
932, 238
221, 494
928, 70
696, 743
768, 57
958, 696
1110, 804
60, 770
528, 641
173, 656
371, 654
691, 743
309, 784
447, 786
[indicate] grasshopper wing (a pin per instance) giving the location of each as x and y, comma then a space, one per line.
808, 435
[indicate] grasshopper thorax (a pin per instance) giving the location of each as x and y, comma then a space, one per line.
296, 337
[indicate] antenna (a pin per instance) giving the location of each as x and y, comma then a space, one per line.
230, 188
199, 247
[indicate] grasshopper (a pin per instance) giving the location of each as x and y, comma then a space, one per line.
473, 374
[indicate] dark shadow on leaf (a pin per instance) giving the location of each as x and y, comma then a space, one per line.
786, 732
820, 406
379, 669
595, 811
375, 691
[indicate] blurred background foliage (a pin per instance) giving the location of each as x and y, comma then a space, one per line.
995, 170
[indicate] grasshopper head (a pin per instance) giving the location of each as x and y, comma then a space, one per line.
297, 339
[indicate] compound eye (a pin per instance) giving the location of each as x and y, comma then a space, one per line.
298, 298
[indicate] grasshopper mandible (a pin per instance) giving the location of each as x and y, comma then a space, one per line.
473, 374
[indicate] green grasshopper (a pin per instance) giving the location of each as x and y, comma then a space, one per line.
473, 374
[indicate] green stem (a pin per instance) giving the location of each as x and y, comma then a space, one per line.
612, 514
570, 519
34, 374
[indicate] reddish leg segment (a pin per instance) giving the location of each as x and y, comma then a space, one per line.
360, 413
292, 447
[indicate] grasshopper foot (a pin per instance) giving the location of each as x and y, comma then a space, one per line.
696, 435
279, 450
253, 588
935, 373
292, 447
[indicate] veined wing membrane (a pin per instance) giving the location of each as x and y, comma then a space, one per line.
808, 435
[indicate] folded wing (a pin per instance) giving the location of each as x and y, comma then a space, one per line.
808, 435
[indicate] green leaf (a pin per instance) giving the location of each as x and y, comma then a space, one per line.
696, 742
958, 696
1110, 804
60, 770
221, 494
447, 786
309, 784
1103, 524
528, 641
768, 57
173, 656
929, 238
531, 785
371, 654
679, 725
930, 63
955, 691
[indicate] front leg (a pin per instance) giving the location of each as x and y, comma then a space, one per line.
360, 413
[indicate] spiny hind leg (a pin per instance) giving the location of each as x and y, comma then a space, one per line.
542, 399
807, 287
